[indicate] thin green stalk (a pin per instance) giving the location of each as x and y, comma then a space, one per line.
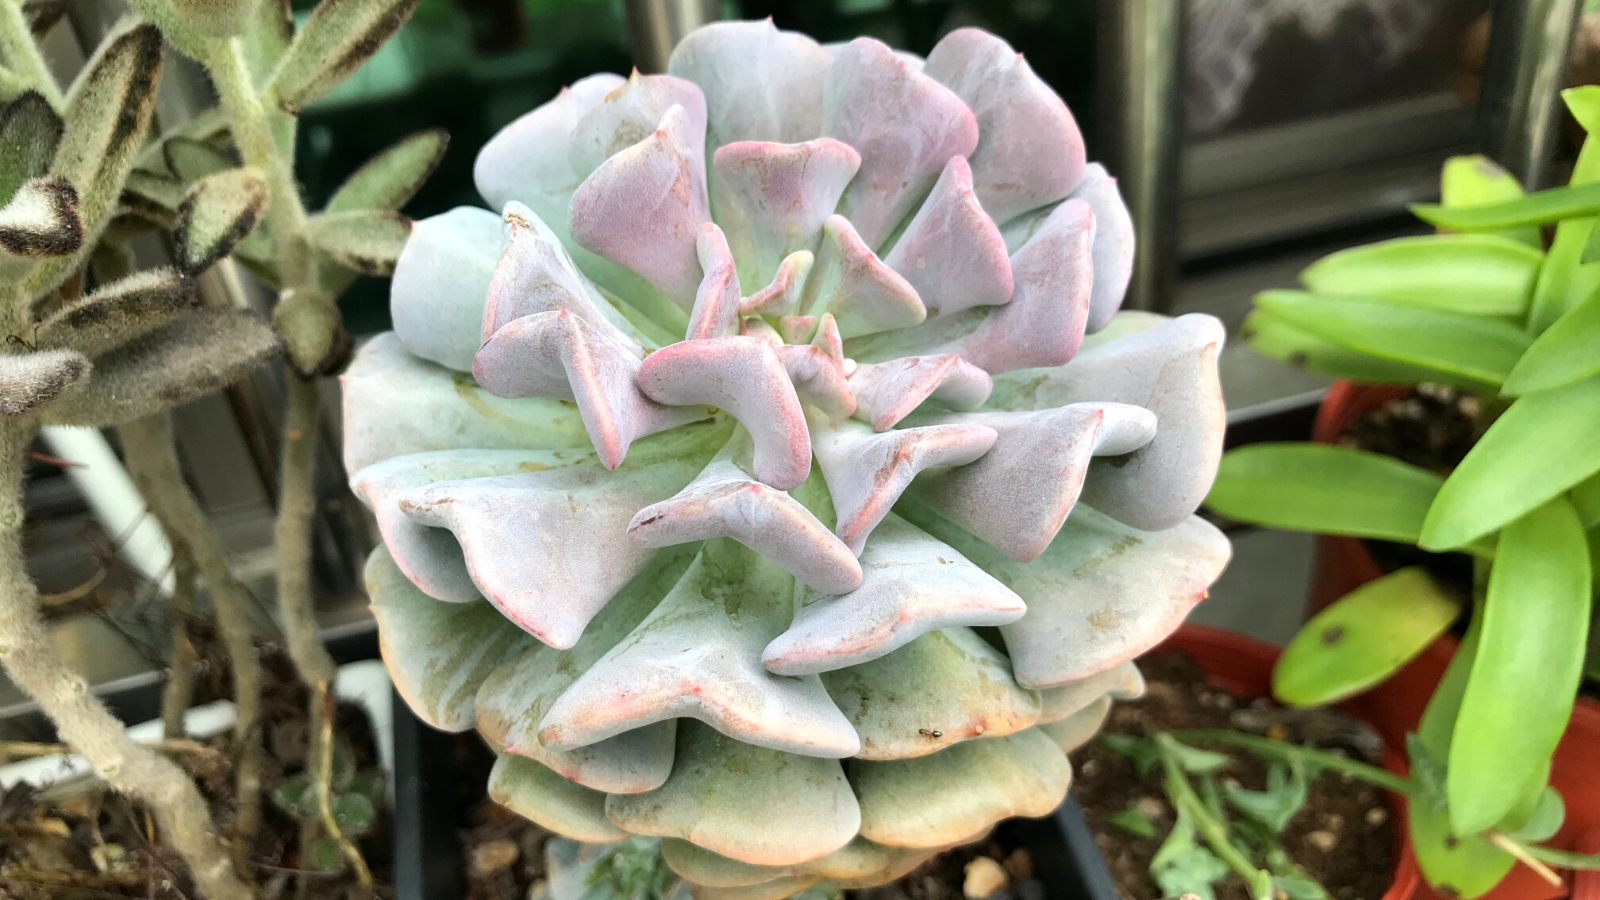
1214, 831
34, 664
1565, 859
1266, 746
23, 57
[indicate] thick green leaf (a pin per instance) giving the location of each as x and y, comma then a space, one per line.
354, 813
1553, 205
1565, 281
1429, 747
1542, 445
1584, 104
1480, 181
29, 133
1568, 351
294, 796
1527, 667
1325, 489
218, 212
1273, 337
1474, 349
389, 179
336, 39
368, 241
326, 855
1456, 865
1133, 822
1481, 274
1542, 823
1585, 497
1363, 638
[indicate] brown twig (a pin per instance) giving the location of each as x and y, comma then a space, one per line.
76, 593
1523, 856
179, 691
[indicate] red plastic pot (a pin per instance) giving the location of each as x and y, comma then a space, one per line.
1395, 707
1242, 666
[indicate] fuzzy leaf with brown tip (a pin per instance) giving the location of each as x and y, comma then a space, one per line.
30, 380
42, 220
117, 313
218, 212
389, 179
366, 240
337, 38
29, 133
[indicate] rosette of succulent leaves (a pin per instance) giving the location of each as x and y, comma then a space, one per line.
92, 340
749, 481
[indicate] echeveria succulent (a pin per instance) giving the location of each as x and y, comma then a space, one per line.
749, 482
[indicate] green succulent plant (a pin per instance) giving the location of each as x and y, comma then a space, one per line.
1485, 307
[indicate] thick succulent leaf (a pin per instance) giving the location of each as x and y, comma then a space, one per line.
720, 786
1075, 730
1113, 244
627, 115
1363, 638
561, 521
1030, 151
532, 791
777, 889
888, 392
760, 84
643, 207
1562, 355
1102, 594
42, 219
862, 292
716, 302
952, 795
698, 655
396, 403
1018, 495
1527, 667
535, 274
117, 313
1169, 369
515, 698
389, 179
952, 254
217, 213
368, 241
1041, 326
905, 125
201, 351
29, 132
867, 471
336, 39
1542, 445
437, 653
859, 860
773, 198
744, 376
1478, 274
782, 295
911, 584
818, 377
441, 280
1122, 682
559, 354
31, 380
944, 687
1271, 336
724, 501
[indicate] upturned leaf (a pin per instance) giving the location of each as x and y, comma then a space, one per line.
1479, 274
1363, 638
205, 127
201, 351
1271, 336
313, 333
1545, 443
1565, 281
29, 381
215, 18
1480, 181
1456, 865
154, 197
1553, 205
336, 39
1542, 821
368, 240
217, 213
117, 313
392, 177
1274, 807
1568, 351
1529, 661
1324, 489
42, 220
1470, 350
190, 160
29, 133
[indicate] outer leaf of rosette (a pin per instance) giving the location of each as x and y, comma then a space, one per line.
1101, 594
760, 84
543, 546
436, 297
396, 403
1169, 369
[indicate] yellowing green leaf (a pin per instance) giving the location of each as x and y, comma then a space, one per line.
1363, 638
1325, 489
1542, 445
1527, 667
1481, 274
